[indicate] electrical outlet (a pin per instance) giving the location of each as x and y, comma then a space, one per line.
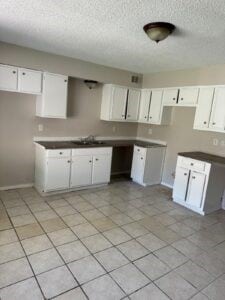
40, 127
215, 142
150, 131
114, 129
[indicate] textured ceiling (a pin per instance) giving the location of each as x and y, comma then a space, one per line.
109, 32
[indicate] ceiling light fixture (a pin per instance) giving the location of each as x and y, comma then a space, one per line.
158, 31
91, 84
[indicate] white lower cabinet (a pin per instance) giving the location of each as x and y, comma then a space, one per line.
65, 169
147, 165
198, 185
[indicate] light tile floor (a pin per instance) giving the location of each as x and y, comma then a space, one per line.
121, 241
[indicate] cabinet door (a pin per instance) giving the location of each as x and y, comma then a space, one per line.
180, 183
54, 95
133, 105
101, 168
57, 173
138, 167
30, 81
217, 120
119, 100
144, 105
155, 112
170, 97
196, 189
8, 78
81, 170
188, 96
204, 106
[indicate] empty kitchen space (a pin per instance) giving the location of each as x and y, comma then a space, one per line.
112, 150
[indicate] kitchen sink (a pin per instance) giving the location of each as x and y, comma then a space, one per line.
88, 143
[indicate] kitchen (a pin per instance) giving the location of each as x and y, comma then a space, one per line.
36, 132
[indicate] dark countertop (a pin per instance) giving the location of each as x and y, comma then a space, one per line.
210, 158
105, 143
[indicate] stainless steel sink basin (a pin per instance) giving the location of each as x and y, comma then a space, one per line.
88, 143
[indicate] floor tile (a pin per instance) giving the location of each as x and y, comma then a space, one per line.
5, 223
149, 292
84, 230
171, 256
187, 248
117, 236
92, 215
36, 207
111, 259
108, 210
14, 271
216, 290
8, 236
165, 219
201, 241
104, 224
58, 203
152, 267
135, 229
121, 219
129, 278
56, 281
83, 206
195, 274
53, 225
72, 251
133, 250
24, 290
75, 294
28, 231
23, 220
210, 263
96, 243
45, 260
199, 296
103, 288
10, 252
175, 286
45, 215
86, 269
18, 211
151, 242
182, 229
65, 210
74, 219
36, 244
62, 236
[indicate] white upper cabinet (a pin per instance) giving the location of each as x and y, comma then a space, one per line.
203, 110
30, 81
8, 78
119, 100
170, 97
133, 104
144, 106
217, 120
155, 112
188, 96
53, 101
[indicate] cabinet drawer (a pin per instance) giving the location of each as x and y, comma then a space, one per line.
192, 164
59, 153
140, 150
92, 151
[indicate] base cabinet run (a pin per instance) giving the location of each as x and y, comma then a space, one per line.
65, 169
198, 185
147, 165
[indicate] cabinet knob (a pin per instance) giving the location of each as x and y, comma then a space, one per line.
138, 150
141, 157
23, 73
68, 161
185, 174
123, 116
96, 159
150, 117
193, 177
60, 153
90, 161
14, 72
145, 117
214, 123
65, 80
181, 98
128, 116
204, 122
174, 99
192, 164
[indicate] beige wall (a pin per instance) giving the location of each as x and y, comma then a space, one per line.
18, 126
180, 135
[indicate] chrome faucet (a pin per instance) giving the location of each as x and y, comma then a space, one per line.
90, 138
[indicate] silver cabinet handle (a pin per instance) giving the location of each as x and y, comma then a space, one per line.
181, 98
96, 159
214, 123
68, 161
185, 174
23, 73
14, 72
174, 99
192, 164
204, 122
60, 153
90, 161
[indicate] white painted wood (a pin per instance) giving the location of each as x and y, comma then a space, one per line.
204, 106
170, 96
196, 189
155, 112
8, 78
30, 81
101, 168
118, 103
188, 96
138, 168
57, 174
53, 101
144, 106
58, 153
181, 183
217, 120
133, 102
81, 170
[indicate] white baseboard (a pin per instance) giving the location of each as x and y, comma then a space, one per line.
167, 185
18, 186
